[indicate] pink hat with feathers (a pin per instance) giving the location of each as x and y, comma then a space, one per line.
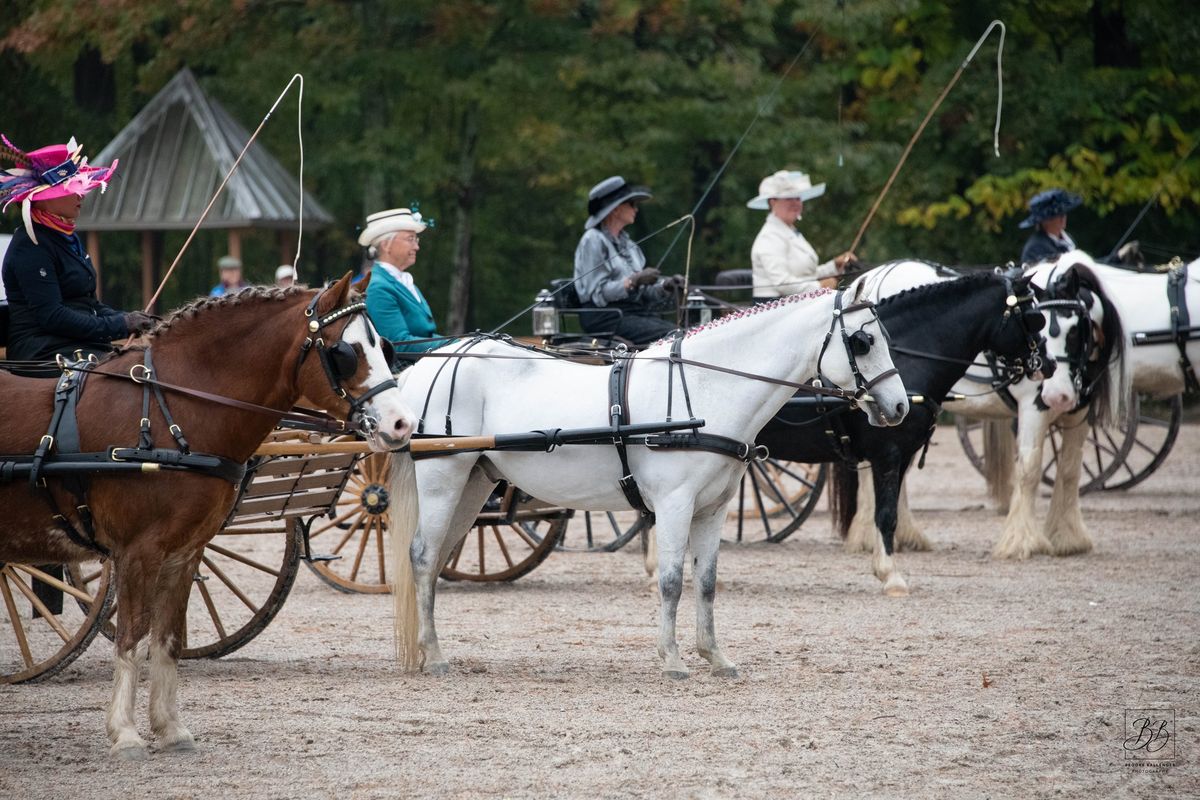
47, 173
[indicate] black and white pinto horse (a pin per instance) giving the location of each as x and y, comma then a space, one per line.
937, 330
1086, 338
791, 340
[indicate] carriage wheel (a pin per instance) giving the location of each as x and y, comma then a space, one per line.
1106, 450
774, 499
357, 531
601, 531
1150, 437
38, 646
243, 580
510, 537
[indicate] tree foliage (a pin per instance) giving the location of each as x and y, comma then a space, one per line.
498, 116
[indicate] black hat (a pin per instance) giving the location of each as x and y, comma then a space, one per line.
607, 195
1049, 204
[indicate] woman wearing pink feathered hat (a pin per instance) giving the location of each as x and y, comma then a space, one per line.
48, 276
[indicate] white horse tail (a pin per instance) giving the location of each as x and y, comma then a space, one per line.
999, 456
404, 515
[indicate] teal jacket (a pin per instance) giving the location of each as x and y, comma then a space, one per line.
398, 315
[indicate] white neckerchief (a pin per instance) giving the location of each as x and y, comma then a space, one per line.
1063, 239
400, 275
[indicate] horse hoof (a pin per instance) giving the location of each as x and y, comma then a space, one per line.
437, 668
130, 751
725, 672
896, 587
181, 745
676, 674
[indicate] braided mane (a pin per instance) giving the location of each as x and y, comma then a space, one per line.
980, 278
749, 312
251, 296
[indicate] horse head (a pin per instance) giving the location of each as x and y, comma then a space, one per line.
1018, 342
863, 361
1085, 336
346, 365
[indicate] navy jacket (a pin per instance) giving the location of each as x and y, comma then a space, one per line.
1041, 247
51, 289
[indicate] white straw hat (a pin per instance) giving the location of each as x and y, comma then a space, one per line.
782, 185
382, 223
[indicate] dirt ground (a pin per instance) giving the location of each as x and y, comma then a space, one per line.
992, 679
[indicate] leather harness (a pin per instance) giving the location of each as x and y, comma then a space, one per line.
74, 468
1181, 323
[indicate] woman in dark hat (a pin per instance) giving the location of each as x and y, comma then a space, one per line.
1048, 215
48, 276
611, 275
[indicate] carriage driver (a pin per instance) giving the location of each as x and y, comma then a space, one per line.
396, 305
611, 271
784, 262
48, 276
1048, 217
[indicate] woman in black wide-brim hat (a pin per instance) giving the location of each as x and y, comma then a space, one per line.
1048, 216
622, 294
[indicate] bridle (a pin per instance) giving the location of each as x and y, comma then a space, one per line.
1017, 310
1079, 356
857, 344
340, 361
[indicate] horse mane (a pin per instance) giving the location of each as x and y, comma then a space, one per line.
1111, 389
925, 289
251, 296
749, 312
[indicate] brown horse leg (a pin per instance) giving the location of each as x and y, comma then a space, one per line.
166, 643
137, 573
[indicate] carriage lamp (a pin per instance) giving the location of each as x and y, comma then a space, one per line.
545, 315
698, 310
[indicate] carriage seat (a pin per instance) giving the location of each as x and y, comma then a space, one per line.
735, 278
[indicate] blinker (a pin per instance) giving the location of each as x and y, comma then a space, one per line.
860, 343
343, 360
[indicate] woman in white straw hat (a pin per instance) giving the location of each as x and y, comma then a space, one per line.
784, 262
397, 307
622, 294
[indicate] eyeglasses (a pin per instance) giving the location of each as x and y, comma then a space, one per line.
411, 238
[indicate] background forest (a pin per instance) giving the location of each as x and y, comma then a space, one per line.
498, 117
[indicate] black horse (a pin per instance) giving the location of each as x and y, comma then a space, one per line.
937, 331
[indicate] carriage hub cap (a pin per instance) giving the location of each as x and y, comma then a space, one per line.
375, 499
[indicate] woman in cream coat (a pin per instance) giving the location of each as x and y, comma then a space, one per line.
784, 262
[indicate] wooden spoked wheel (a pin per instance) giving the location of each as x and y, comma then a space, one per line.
244, 578
774, 499
600, 531
512, 534
357, 531
1113, 458
35, 643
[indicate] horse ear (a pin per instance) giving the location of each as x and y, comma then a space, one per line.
335, 296
860, 289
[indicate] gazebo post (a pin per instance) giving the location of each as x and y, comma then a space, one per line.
149, 267
287, 246
235, 243
93, 249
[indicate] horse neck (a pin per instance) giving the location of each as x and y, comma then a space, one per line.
781, 342
244, 352
942, 322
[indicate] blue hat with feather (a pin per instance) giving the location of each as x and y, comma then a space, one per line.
1049, 204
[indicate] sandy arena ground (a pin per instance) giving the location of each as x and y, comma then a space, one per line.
992, 679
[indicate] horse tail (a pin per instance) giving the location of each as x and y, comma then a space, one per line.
999, 453
402, 525
843, 496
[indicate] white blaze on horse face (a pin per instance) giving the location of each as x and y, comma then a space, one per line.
1059, 391
396, 419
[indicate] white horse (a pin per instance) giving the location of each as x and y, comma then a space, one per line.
1091, 367
1141, 300
792, 340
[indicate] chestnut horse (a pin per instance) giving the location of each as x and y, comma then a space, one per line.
230, 368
